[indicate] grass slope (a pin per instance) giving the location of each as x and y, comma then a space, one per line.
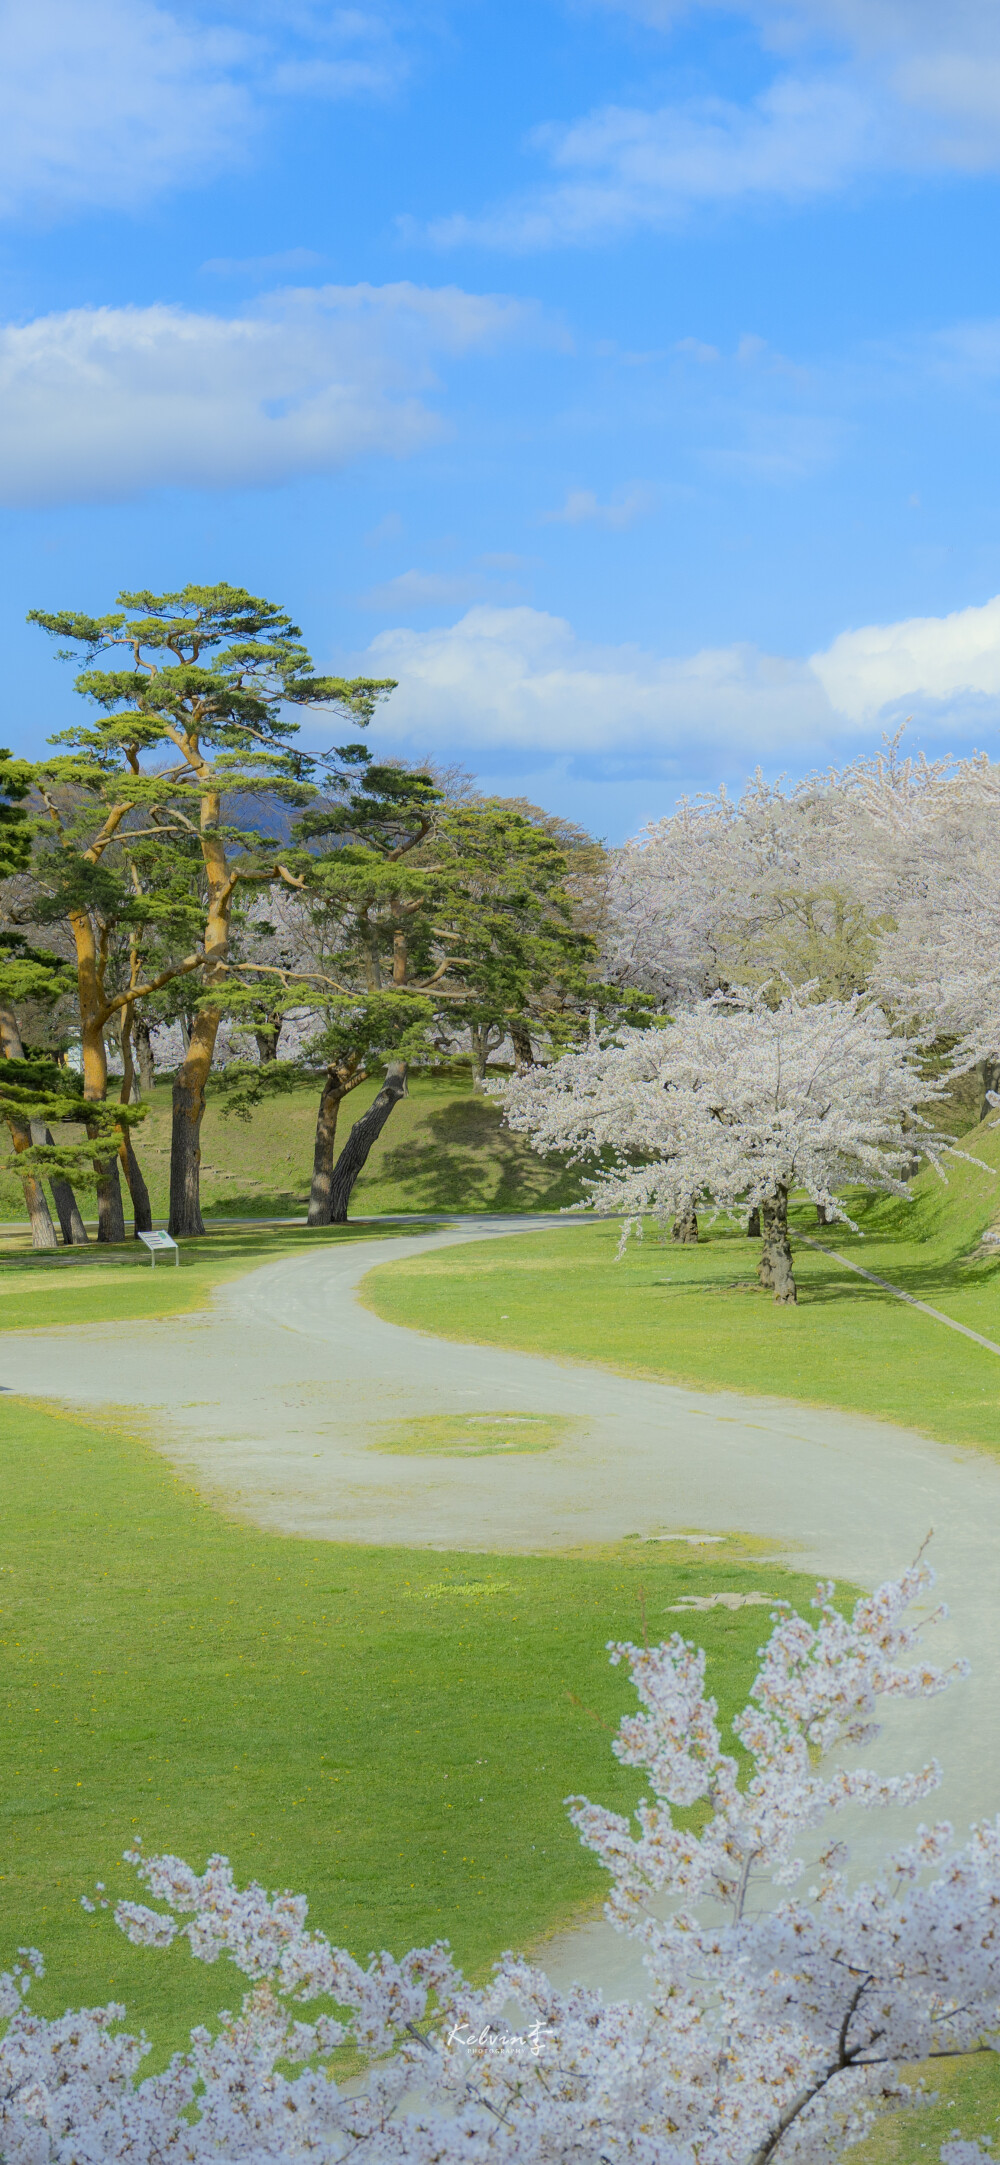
391, 1732
695, 1315
443, 1149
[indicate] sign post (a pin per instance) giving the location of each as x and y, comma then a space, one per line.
157, 1243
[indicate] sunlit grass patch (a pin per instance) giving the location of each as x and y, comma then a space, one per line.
474, 1435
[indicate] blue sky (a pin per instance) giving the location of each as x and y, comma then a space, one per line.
622, 375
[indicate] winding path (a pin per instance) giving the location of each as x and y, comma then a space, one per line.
273, 1399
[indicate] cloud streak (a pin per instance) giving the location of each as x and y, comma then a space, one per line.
102, 404
860, 86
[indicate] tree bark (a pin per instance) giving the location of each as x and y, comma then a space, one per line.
144, 1057
685, 1225
142, 1213
70, 1221
142, 1216
364, 1133
43, 1232
478, 1039
110, 1214
342, 1076
822, 1215
186, 1221
520, 1037
191, 1079
71, 1224
266, 1041
754, 1225
775, 1270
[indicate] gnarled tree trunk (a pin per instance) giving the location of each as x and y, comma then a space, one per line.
822, 1215
342, 1076
754, 1225
685, 1225
266, 1040
364, 1133
775, 1268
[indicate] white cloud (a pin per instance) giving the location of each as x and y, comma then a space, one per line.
519, 680
948, 662
862, 86
107, 402
582, 508
622, 167
108, 102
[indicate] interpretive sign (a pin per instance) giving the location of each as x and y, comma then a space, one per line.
157, 1243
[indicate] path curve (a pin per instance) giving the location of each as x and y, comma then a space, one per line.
272, 1399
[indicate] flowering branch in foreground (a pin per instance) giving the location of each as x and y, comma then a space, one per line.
774, 2025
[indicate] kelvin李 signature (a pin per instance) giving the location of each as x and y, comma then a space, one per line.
500, 2044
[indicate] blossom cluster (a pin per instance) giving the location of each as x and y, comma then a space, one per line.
882, 876
741, 1098
774, 2027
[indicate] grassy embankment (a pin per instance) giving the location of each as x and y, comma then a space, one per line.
443, 1149
695, 1315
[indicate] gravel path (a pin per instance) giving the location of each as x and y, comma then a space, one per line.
274, 1398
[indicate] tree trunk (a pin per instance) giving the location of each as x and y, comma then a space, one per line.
339, 1080
753, 1224
43, 1232
775, 1268
190, 1082
70, 1221
110, 1214
144, 1057
520, 1037
266, 1041
71, 1224
480, 1046
364, 1133
822, 1215
142, 1214
990, 1072
685, 1226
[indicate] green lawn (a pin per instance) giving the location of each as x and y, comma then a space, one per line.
695, 1315
120, 1285
443, 1149
391, 1732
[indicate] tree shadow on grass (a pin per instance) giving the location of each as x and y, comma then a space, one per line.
462, 1160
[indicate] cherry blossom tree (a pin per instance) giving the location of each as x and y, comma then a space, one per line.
730, 892
777, 2022
739, 1101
